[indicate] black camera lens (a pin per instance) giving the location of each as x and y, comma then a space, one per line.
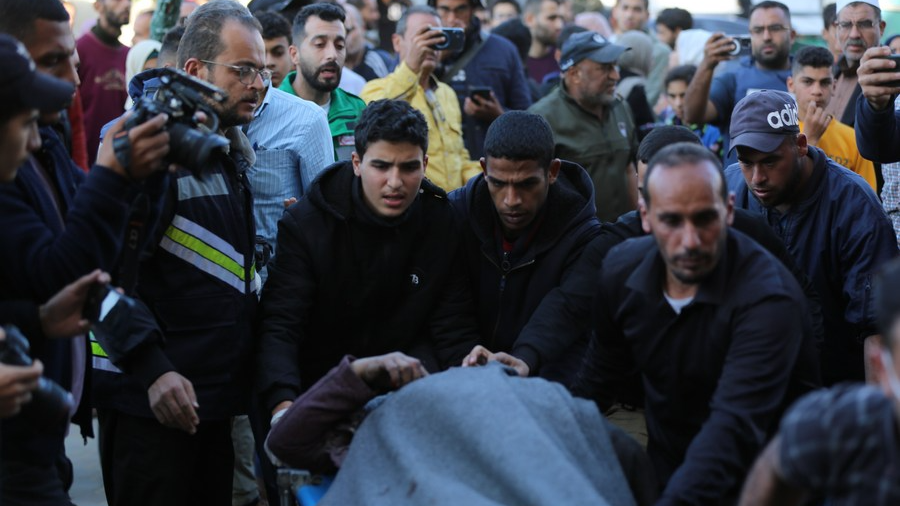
192, 148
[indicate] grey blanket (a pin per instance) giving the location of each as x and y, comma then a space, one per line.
479, 436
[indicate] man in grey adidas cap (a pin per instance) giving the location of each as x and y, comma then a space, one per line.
591, 125
828, 217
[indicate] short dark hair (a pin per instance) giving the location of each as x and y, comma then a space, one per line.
829, 15
680, 154
17, 17
771, 4
325, 11
675, 18
516, 32
566, 32
520, 135
812, 56
391, 121
274, 25
646, 4
662, 136
534, 6
415, 9
203, 33
516, 5
680, 73
887, 302
168, 50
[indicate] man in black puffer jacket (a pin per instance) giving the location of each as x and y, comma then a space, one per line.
364, 264
525, 222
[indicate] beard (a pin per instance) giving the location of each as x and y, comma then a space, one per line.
312, 77
791, 186
775, 60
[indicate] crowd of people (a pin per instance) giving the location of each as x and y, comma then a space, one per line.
452, 252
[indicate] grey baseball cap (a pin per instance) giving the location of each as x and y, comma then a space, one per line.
763, 119
591, 46
22, 85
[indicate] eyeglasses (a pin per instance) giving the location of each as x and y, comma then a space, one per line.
773, 29
246, 75
861, 25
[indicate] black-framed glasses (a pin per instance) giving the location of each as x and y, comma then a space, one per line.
862, 25
246, 74
773, 29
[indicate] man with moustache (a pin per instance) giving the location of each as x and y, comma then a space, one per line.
102, 70
711, 100
318, 53
165, 419
828, 217
859, 27
712, 322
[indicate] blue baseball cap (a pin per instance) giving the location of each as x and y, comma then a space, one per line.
763, 119
591, 46
21, 85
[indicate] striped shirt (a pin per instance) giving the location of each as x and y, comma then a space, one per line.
293, 145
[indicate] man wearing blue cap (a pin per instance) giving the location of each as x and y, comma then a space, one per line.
828, 217
592, 126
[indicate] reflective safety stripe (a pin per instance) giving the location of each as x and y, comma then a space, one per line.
211, 185
103, 364
97, 350
205, 251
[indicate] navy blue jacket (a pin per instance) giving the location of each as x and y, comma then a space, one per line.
877, 132
497, 65
717, 376
839, 235
44, 249
508, 288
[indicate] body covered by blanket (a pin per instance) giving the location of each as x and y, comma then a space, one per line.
481, 436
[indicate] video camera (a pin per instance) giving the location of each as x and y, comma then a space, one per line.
181, 96
50, 406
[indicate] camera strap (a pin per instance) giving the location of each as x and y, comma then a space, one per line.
465, 58
122, 149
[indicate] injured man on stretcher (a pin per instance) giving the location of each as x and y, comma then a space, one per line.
469, 435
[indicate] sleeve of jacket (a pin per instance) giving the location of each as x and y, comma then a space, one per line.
608, 363
401, 84
877, 132
743, 408
299, 439
453, 327
864, 250
564, 314
93, 236
519, 96
284, 313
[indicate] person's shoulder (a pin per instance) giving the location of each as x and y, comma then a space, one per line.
734, 178
843, 185
627, 255
349, 98
548, 103
293, 102
848, 406
497, 43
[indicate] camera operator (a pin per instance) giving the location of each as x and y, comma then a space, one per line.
709, 100
56, 224
165, 423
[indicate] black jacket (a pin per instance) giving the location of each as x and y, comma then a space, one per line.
344, 282
508, 288
717, 376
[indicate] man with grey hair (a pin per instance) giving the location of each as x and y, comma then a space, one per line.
165, 417
859, 27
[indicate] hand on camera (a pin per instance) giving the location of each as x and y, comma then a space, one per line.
16, 384
421, 51
716, 50
61, 316
174, 402
149, 145
388, 372
875, 75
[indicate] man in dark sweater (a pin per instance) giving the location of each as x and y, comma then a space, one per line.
714, 324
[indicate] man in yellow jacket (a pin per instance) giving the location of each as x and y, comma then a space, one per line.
449, 165
812, 83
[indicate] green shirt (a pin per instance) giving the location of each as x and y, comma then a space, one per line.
343, 113
604, 148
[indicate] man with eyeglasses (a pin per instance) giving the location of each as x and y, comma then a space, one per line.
712, 100
859, 27
165, 419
